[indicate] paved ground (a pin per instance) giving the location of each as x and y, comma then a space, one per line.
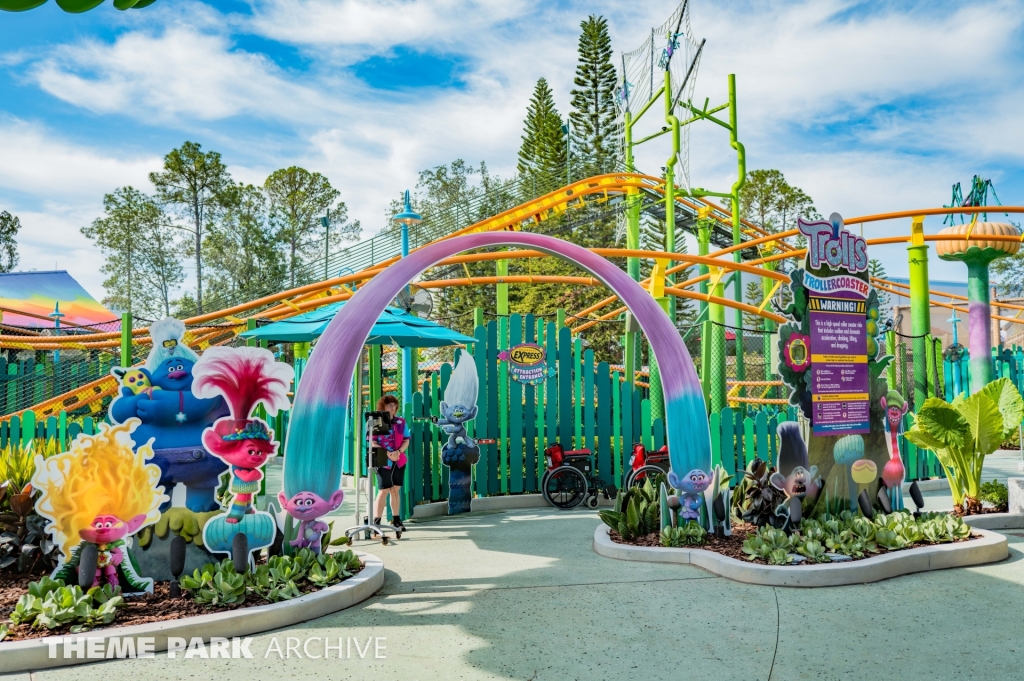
521, 595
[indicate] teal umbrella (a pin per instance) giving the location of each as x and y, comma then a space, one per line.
393, 327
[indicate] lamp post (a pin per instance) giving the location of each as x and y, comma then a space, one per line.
56, 316
326, 222
406, 219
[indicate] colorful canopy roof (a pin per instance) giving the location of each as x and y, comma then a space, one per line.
35, 294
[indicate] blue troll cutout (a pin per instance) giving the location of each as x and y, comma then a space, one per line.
461, 451
175, 419
692, 485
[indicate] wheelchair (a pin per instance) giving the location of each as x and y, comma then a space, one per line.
645, 464
569, 480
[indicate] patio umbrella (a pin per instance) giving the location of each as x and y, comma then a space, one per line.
393, 327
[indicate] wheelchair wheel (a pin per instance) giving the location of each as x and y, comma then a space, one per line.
565, 487
638, 476
592, 501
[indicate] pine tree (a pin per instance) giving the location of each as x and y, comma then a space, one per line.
877, 269
595, 132
754, 295
543, 151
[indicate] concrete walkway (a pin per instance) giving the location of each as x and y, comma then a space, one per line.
521, 595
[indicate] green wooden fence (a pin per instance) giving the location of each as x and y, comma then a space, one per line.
583, 405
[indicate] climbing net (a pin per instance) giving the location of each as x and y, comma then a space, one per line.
670, 46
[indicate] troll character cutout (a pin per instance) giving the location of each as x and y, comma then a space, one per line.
244, 377
460, 452
692, 486
894, 472
307, 507
173, 417
100, 492
794, 475
459, 405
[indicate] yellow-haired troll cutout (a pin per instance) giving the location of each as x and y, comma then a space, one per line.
100, 492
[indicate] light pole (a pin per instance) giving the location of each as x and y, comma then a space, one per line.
56, 316
326, 222
407, 218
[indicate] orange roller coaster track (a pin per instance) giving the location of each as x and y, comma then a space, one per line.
602, 187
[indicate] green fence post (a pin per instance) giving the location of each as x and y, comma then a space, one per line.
126, 339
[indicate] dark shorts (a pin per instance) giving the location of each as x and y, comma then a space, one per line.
390, 477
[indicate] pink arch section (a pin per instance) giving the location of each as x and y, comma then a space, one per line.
327, 380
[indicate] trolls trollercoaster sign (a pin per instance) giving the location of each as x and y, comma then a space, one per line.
837, 307
831, 364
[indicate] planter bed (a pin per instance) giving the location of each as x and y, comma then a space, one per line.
983, 547
254, 616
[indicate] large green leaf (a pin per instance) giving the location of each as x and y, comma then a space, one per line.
922, 438
942, 423
986, 423
1004, 393
633, 517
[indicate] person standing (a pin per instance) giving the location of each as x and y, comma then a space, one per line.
391, 479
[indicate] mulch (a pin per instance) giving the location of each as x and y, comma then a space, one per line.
985, 510
155, 607
732, 546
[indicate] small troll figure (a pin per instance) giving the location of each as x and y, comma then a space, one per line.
245, 377
100, 492
307, 507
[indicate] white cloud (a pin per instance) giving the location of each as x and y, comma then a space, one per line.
377, 25
801, 68
40, 164
180, 73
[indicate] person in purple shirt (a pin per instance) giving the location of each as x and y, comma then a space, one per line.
390, 479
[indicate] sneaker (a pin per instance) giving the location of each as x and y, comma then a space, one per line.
396, 522
376, 521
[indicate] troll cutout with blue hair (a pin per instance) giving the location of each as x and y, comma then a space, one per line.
461, 451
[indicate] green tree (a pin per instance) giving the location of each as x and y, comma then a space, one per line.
770, 202
542, 153
593, 116
877, 269
137, 240
9, 226
190, 181
240, 248
298, 199
754, 294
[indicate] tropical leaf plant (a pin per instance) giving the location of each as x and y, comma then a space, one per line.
638, 510
964, 432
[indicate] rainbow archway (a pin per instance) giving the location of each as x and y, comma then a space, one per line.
314, 444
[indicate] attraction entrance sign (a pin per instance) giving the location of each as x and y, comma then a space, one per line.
829, 361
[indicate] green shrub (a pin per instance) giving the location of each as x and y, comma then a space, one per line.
964, 432
51, 604
690, 534
637, 510
280, 578
995, 493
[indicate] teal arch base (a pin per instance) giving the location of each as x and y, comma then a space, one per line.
315, 445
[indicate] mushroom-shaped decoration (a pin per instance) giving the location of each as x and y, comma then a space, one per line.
977, 252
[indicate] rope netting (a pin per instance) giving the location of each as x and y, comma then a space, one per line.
673, 46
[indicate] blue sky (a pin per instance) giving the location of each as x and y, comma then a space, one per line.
868, 106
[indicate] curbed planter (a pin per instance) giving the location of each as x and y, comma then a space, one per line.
34, 654
996, 521
988, 548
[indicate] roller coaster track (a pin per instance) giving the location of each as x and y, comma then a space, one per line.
612, 187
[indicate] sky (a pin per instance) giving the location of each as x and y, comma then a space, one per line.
867, 106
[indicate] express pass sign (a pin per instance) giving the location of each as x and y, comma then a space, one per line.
837, 306
526, 363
